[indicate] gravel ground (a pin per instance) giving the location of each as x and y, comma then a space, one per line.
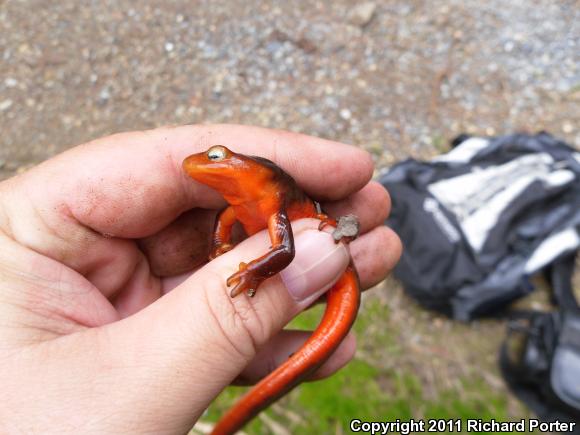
397, 78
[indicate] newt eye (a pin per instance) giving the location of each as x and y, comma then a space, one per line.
217, 153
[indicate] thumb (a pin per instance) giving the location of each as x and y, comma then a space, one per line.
195, 340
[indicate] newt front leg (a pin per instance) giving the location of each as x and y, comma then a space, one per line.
252, 274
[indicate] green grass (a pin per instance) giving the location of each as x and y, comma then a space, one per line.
378, 385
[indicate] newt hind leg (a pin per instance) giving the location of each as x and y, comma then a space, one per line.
325, 220
222, 233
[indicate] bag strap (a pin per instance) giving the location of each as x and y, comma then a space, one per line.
560, 277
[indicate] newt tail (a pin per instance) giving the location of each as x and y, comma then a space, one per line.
261, 195
341, 310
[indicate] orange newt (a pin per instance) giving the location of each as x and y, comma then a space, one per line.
261, 195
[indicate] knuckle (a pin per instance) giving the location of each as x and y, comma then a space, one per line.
382, 199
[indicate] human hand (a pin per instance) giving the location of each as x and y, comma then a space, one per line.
92, 239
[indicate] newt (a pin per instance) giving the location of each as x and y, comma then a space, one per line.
260, 195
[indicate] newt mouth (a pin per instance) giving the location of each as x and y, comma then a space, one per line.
197, 164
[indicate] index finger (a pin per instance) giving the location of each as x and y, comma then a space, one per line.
132, 185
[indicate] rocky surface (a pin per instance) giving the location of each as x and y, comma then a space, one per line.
397, 78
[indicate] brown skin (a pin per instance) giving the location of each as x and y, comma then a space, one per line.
261, 195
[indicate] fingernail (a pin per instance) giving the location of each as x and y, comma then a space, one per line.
316, 266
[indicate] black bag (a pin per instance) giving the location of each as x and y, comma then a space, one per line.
540, 358
477, 222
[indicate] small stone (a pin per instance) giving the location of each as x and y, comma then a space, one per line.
345, 114
67, 120
169, 46
5, 105
104, 95
348, 227
273, 46
24, 168
567, 127
329, 38
10, 82
180, 111
426, 139
458, 34
194, 110
362, 14
375, 148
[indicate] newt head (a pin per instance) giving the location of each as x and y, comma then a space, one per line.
233, 175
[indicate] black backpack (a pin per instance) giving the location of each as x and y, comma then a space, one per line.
540, 358
478, 221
